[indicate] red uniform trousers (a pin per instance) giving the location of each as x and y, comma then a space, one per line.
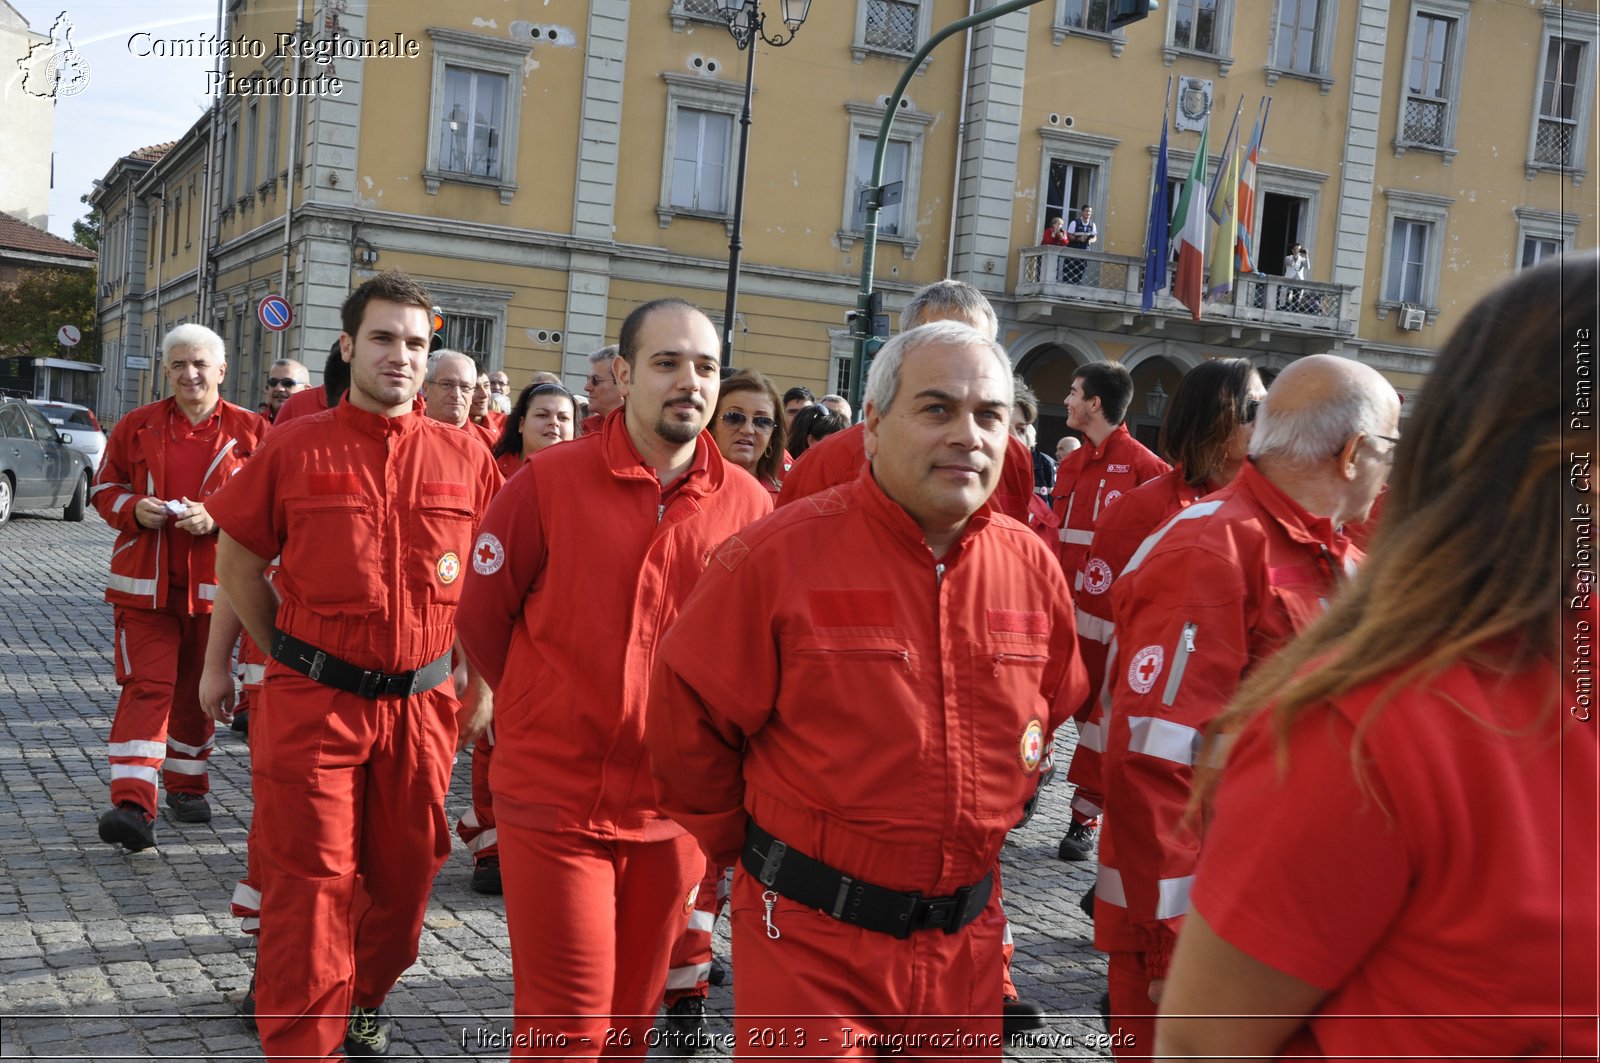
246, 901
592, 923
1132, 1012
350, 831
477, 828
159, 726
689, 969
824, 979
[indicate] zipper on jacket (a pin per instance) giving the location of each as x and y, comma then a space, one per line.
1098, 491
661, 512
1180, 661
938, 574
1002, 658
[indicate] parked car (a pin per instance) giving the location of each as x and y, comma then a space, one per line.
78, 427
38, 470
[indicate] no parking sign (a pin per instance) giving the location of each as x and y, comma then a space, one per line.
275, 313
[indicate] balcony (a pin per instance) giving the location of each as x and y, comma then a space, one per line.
1088, 290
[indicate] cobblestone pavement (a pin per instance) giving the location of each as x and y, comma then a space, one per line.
107, 955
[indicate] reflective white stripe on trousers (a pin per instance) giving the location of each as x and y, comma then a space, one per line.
152, 750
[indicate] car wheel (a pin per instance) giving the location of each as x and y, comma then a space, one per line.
74, 510
5, 498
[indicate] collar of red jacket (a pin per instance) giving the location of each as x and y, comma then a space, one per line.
705, 471
1118, 434
376, 424
893, 516
1297, 521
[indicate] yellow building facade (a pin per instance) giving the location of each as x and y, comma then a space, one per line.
544, 167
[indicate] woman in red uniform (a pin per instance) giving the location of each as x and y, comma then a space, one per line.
1401, 858
748, 430
544, 414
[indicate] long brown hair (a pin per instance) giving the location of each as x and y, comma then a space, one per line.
769, 466
1468, 559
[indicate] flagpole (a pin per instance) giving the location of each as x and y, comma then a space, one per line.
1156, 244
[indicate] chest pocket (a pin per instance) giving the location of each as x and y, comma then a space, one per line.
1006, 722
1301, 593
332, 553
441, 540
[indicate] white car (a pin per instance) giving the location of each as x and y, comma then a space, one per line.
79, 429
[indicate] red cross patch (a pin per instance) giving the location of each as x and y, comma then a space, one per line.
448, 568
1031, 749
1145, 668
487, 555
1096, 576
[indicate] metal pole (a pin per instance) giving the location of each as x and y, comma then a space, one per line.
869, 240
736, 243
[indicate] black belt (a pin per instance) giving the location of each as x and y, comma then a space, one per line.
342, 675
795, 875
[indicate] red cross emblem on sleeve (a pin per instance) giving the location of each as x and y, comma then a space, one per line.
1144, 669
487, 555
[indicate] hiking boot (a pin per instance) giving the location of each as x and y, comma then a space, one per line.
1019, 1016
247, 1007
367, 1036
486, 876
129, 826
189, 808
686, 1026
1078, 845
240, 724
719, 973
1086, 903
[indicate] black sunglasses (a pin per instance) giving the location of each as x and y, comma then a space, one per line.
735, 419
281, 382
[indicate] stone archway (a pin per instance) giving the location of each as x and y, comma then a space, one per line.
1047, 368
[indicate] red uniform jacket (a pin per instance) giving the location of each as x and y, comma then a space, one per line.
135, 468
839, 458
1090, 480
309, 400
875, 709
1221, 587
579, 567
373, 517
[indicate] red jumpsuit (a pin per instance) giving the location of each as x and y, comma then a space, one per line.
882, 713
839, 458
308, 400
373, 517
1222, 586
1121, 529
597, 880
1090, 480
1358, 889
159, 614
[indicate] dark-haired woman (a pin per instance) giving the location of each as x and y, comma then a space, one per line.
811, 425
545, 414
1400, 858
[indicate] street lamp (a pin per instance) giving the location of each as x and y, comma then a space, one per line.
1155, 400
746, 21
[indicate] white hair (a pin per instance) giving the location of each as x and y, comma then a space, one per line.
193, 337
883, 379
604, 354
949, 300
439, 356
1318, 430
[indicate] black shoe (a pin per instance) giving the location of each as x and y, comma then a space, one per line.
1105, 1010
1078, 845
240, 723
1020, 1016
686, 1026
1086, 903
247, 1007
367, 1036
486, 876
189, 808
129, 826
719, 973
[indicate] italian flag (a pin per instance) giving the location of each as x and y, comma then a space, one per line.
1189, 233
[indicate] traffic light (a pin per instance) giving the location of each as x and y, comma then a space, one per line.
1126, 11
877, 320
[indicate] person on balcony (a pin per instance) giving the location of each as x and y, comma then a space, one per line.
1082, 235
1055, 234
1296, 264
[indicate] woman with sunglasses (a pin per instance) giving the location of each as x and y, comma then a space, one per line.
748, 430
544, 414
1206, 437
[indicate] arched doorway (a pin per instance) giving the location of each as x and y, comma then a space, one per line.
1155, 381
1048, 370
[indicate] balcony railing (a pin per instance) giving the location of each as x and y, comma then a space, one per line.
1424, 121
1088, 280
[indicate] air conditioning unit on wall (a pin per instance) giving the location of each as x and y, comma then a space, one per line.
1412, 317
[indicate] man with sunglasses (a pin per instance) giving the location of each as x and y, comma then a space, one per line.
1215, 591
285, 378
601, 387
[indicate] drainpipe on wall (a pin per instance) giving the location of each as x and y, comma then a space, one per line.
288, 191
961, 143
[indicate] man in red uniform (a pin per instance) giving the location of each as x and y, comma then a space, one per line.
325, 396
601, 388
483, 416
448, 388
285, 377
1092, 477
865, 842
163, 463
372, 508
1219, 588
598, 881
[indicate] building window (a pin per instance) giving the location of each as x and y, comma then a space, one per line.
475, 115
902, 167
891, 27
1542, 234
1414, 227
1074, 170
177, 209
474, 320
469, 334
252, 134
1200, 27
231, 165
1092, 16
1302, 41
274, 120
697, 165
1563, 105
1435, 44
188, 217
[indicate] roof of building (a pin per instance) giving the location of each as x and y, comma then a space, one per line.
153, 153
20, 236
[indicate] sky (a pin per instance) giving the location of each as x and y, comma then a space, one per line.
130, 101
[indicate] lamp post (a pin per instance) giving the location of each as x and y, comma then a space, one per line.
1155, 400
747, 22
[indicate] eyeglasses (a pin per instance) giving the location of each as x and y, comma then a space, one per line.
1388, 439
282, 382
597, 379
460, 389
735, 419
1248, 415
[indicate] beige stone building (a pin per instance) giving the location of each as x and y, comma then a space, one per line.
546, 166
